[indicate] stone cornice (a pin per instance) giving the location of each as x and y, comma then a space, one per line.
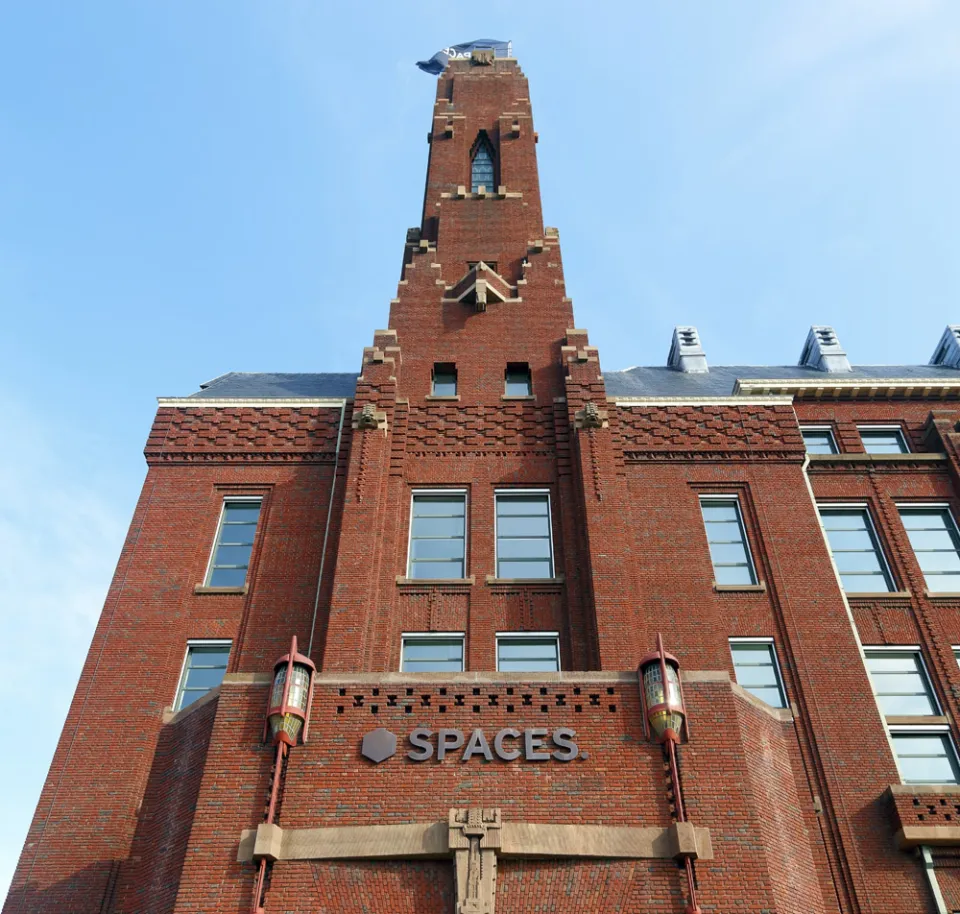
835, 388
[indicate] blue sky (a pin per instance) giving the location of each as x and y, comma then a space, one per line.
189, 187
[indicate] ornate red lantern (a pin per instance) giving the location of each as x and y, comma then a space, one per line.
291, 696
662, 695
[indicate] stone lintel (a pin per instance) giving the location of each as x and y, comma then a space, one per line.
516, 839
932, 835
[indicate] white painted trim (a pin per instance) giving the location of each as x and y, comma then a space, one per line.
258, 402
453, 490
771, 400
828, 383
528, 636
746, 639
496, 494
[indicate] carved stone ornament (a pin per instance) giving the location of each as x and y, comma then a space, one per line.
370, 417
591, 416
474, 838
482, 56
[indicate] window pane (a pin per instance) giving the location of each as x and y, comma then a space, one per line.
228, 577
518, 382
512, 525
238, 556
755, 670
855, 551
433, 655
522, 504
203, 671
205, 678
524, 544
733, 574
528, 654
883, 441
524, 548
437, 537
439, 506
444, 383
425, 570
936, 545
514, 569
241, 512
729, 552
819, 442
900, 683
925, 758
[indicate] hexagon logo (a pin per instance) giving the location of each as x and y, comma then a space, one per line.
378, 745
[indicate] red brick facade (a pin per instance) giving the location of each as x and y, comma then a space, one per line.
145, 809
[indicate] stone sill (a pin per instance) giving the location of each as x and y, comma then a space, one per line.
443, 397
876, 458
492, 581
740, 588
427, 582
916, 720
882, 595
203, 589
941, 595
529, 397
920, 790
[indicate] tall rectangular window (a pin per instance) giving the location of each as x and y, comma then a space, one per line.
438, 535
203, 670
819, 440
936, 544
855, 550
444, 380
925, 756
432, 653
755, 666
729, 551
517, 380
524, 541
879, 440
234, 543
900, 682
528, 653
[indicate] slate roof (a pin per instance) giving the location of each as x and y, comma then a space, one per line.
633, 382
720, 379
654, 381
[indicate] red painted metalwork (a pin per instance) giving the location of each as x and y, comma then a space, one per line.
283, 743
670, 739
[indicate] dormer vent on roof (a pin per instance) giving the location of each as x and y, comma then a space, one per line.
947, 353
823, 351
686, 353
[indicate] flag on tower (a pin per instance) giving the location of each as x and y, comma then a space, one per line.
438, 62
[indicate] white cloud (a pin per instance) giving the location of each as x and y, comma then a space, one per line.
60, 535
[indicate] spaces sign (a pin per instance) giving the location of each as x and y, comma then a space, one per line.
535, 744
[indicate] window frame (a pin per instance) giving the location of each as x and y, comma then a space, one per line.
921, 729
453, 490
751, 564
896, 429
259, 499
445, 368
434, 636
177, 704
528, 636
954, 530
516, 366
771, 644
924, 674
821, 428
892, 582
496, 530
484, 142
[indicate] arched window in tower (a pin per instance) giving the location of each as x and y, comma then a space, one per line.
482, 168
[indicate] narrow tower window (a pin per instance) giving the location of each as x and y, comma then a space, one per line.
203, 670
729, 551
438, 535
518, 382
481, 172
231, 553
444, 380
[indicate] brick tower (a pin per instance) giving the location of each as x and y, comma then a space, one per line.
477, 542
